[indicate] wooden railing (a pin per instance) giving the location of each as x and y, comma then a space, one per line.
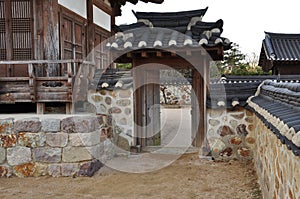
40, 89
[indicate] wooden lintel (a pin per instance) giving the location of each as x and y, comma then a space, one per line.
159, 54
144, 54
129, 55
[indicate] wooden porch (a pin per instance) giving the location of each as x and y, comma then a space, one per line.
35, 86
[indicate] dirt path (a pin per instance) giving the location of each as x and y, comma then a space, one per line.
188, 177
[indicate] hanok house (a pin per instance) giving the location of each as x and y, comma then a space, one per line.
43, 43
178, 40
280, 53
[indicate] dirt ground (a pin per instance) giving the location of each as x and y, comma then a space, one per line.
188, 177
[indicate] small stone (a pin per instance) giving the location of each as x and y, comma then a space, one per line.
123, 143
102, 92
6, 126
108, 100
114, 110
69, 169
8, 140
54, 170
28, 125
51, 125
249, 119
238, 116
123, 121
2, 155
85, 139
24, 170
227, 152
89, 168
250, 140
124, 102
249, 113
225, 130
244, 152
127, 111
112, 93
48, 155
76, 154
96, 98
215, 113
125, 94
31, 139
18, 155
214, 122
57, 139
79, 124
251, 127
241, 130
40, 170
235, 141
5, 171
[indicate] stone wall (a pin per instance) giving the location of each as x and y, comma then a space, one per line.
230, 133
118, 106
55, 147
175, 94
277, 167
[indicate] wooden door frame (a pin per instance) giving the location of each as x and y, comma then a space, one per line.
200, 67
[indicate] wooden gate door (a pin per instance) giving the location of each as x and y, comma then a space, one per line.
147, 107
152, 100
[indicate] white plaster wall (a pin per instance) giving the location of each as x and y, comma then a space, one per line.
77, 6
101, 18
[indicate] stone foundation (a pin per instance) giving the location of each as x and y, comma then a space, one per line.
72, 146
230, 133
278, 169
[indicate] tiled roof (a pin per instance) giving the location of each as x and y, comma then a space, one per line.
278, 106
231, 91
165, 30
280, 47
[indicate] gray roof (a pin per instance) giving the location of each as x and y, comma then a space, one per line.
171, 29
280, 47
278, 105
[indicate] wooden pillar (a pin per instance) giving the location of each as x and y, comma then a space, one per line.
51, 35
90, 28
199, 101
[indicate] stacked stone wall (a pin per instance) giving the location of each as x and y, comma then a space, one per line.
55, 147
118, 106
230, 133
278, 169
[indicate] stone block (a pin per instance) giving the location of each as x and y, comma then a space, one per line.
85, 139
51, 125
31, 139
2, 155
54, 170
47, 155
18, 155
89, 168
79, 124
24, 170
6, 125
8, 140
57, 139
69, 169
5, 171
76, 154
28, 125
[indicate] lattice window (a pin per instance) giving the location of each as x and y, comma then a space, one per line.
2, 31
21, 29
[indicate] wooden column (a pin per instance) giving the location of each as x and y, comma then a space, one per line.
199, 101
51, 35
90, 28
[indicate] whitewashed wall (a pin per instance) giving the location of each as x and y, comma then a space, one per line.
78, 6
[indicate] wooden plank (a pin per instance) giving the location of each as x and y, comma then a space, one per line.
53, 97
40, 108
